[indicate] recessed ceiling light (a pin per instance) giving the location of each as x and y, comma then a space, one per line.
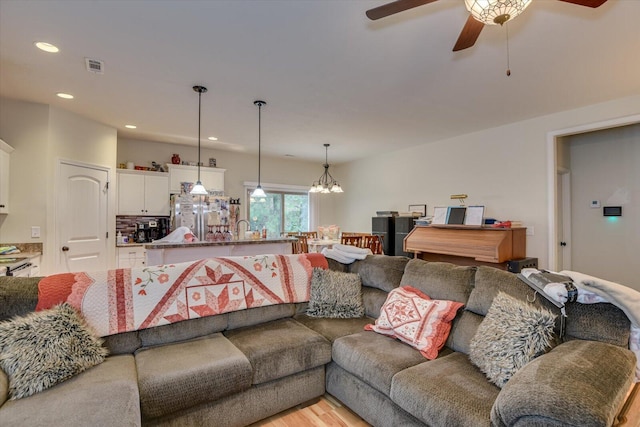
212, 138
130, 126
47, 47
64, 95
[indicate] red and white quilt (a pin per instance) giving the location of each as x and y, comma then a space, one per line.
122, 300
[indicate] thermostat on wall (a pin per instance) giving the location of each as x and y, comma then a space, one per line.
595, 203
612, 211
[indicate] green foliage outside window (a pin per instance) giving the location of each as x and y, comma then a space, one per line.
279, 212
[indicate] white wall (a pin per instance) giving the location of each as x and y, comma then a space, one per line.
25, 126
41, 135
503, 168
605, 166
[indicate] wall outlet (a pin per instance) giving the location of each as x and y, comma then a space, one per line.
530, 231
35, 232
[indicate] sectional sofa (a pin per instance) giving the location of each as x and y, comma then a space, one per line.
236, 368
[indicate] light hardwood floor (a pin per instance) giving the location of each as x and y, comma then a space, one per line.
327, 412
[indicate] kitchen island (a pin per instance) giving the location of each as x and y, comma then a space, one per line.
167, 253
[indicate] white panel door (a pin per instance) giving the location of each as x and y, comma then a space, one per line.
81, 218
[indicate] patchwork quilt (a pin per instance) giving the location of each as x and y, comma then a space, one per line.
123, 300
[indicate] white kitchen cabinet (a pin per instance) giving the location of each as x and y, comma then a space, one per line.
5, 155
211, 178
143, 193
131, 257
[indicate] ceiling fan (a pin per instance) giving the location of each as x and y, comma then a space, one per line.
492, 12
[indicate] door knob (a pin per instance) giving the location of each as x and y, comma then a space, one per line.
563, 243
65, 248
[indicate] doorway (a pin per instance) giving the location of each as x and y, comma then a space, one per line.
559, 190
81, 217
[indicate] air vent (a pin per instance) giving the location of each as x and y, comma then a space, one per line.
94, 65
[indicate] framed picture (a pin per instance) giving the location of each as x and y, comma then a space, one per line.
455, 215
474, 215
421, 209
439, 215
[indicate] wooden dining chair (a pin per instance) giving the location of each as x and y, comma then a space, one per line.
300, 246
373, 242
351, 240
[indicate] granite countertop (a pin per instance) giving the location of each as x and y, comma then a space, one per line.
230, 243
129, 245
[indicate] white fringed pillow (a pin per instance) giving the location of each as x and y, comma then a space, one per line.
45, 348
511, 335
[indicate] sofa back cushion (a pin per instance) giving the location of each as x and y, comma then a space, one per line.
258, 315
184, 330
18, 296
439, 280
380, 271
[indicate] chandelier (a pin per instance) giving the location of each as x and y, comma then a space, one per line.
326, 183
494, 12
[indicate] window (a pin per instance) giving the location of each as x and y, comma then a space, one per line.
281, 211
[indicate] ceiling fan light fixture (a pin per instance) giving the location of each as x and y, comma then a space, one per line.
496, 12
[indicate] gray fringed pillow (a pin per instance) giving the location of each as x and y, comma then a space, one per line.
335, 294
44, 348
512, 334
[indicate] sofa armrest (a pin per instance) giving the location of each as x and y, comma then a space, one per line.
4, 387
577, 383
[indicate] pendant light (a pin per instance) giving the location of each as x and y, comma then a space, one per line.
198, 189
259, 192
326, 183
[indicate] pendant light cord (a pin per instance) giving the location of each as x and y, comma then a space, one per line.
259, 139
199, 120
508, 66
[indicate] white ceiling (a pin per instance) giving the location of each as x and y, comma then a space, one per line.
327, 73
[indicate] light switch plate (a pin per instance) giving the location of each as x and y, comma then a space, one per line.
35, 232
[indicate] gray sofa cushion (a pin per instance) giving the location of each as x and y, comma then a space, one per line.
439, 280
489, 281
181, 375
103, 396
463, 328
374, 358
448, 391
550, 390
18, 296
280, 348
255, 316
380, 271
182, 331
124, 343
333, 329
373, 300
598, 322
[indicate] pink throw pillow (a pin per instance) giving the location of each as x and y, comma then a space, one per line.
412, 317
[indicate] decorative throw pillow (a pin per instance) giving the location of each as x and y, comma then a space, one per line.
44, 348
512, 334
412, 317
335, 294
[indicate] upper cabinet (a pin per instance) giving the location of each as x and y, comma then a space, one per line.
211, 178
5, 155
143, 193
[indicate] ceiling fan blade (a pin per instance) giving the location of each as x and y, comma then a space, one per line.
394, 7
588, 3
469, 34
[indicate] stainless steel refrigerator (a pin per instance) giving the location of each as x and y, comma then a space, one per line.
197, 212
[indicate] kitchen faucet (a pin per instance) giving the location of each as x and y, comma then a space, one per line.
238, 229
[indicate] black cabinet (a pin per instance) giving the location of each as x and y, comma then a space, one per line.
393, 230
404, 224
